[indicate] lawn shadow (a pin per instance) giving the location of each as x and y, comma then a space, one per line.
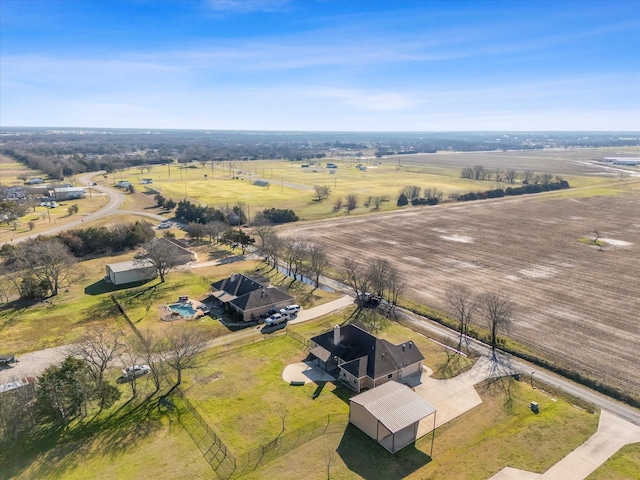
50, 452
101, 286
362, 455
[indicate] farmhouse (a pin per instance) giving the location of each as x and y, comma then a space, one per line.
390, 414
69, 193
247, 297
363, 360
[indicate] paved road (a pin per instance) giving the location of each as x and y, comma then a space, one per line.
34, 363
116, 199
528, 370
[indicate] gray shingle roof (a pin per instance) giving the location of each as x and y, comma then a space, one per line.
365, 354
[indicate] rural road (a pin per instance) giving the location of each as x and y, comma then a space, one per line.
528, 370
116, 199
33, 364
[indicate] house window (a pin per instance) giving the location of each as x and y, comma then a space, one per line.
390, 375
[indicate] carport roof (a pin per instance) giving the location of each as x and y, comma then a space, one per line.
394, 405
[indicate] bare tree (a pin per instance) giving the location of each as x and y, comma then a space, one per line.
263, 231
196, 230
180, 349
337, 206
527, 176
411, 191
215, 229
47, 260
273, 247
498, 310
98, 348
318, 261
464, 304
510, 175
377, 201
358, 278
479, 172
545, 178
322, 192
294, 253
352, 202
160, 254
147, 346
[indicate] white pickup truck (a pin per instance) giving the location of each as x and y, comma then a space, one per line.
275, 319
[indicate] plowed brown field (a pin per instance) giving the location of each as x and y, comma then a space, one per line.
575, 305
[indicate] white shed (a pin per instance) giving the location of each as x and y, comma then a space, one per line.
390, 414
131, 271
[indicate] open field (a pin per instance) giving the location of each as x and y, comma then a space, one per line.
565, 162
575, 305
291, 186
474, 446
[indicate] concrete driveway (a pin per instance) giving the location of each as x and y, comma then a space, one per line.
613, 433
454, 396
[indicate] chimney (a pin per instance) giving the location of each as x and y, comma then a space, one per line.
403, 347
336, 335
232, 277
410, 344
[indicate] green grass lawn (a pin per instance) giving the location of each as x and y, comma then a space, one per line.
476, 445
136, 440
623, 465
244, 399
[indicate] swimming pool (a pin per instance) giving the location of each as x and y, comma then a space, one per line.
185, 310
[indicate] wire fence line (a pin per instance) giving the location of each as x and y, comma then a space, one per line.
223, 462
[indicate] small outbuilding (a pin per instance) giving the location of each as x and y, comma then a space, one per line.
131, 271
69, 193
390, 414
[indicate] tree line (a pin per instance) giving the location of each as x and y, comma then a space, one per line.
68, 391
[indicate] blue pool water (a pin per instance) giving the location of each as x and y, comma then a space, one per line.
182, 309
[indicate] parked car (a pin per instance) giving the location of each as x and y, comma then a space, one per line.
135, 371
165, 225
275, 319
290, 311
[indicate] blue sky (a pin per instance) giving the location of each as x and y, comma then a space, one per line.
350, 65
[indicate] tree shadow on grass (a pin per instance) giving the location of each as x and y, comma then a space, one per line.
58, 450
362, 455
100, 287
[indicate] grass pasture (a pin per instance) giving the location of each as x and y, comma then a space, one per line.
243, 397
474, 446
132, 440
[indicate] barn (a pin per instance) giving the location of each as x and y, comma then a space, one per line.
390, 414
131, 271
